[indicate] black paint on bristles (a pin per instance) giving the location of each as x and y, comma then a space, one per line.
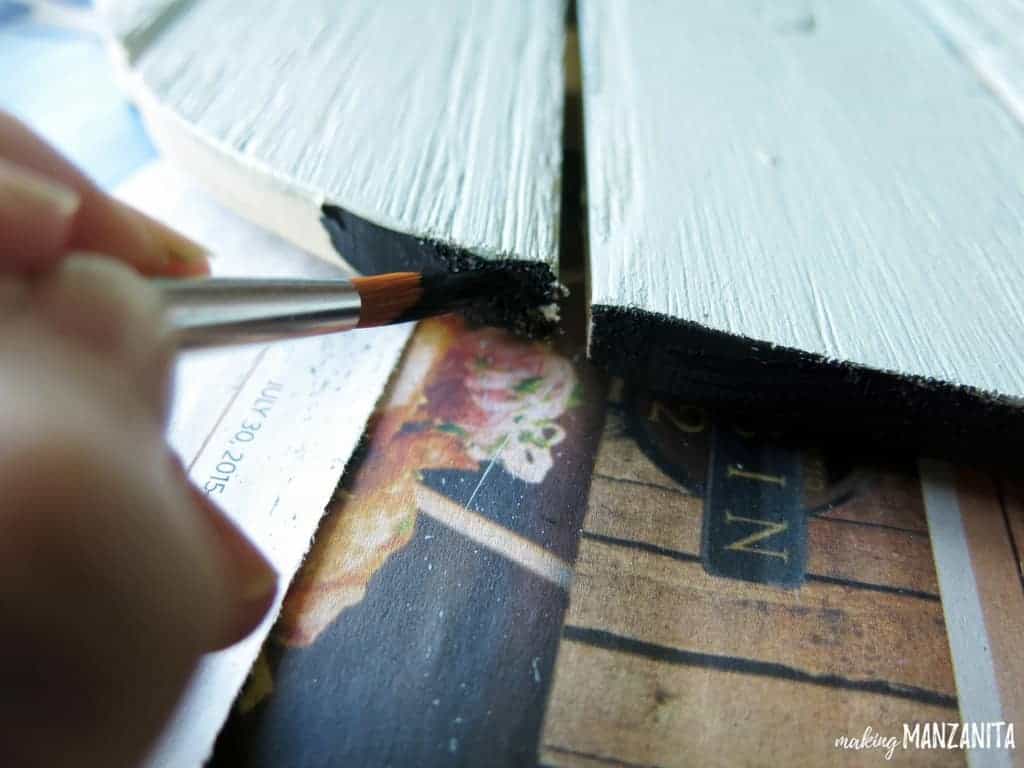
518, 295
506, 294
500, 293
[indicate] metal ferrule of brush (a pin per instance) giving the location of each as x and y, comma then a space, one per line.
225, 310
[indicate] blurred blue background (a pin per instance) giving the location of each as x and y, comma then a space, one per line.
56, 75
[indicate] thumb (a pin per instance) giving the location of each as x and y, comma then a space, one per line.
251, 581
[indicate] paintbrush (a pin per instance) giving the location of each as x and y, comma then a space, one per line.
218, 311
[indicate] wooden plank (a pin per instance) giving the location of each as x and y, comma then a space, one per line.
653, 516
620, 458
783, 210
392, 134
869, 555
821, 629
998, 577
889, 497
1012, 493
662, 663
895, 560
675, 715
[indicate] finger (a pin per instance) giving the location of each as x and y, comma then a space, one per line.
111, 583
101, 223
111, 312
251, 579
36, 218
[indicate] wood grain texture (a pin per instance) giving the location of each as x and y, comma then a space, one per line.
813, 192
660, 717
824, 631
671, 522
986, 519
440, 122
663, 663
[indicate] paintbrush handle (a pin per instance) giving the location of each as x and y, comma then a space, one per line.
219, 311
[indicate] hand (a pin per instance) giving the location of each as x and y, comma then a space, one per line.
115, 575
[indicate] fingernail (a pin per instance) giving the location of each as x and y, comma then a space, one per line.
170, 253
185, 256
254, 580
30, 189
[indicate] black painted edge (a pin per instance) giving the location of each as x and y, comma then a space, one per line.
805, 392
373, 249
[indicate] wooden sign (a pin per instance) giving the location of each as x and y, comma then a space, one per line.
806, 204
392, 134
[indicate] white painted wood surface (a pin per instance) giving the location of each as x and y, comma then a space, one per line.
989, 35
827, 176
441, 119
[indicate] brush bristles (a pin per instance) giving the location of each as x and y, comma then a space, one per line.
385, 298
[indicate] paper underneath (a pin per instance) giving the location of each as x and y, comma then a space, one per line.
266, 430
